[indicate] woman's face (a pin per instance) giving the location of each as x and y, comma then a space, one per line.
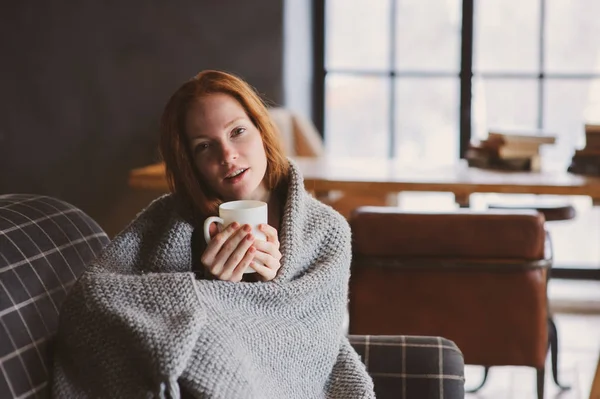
227, 148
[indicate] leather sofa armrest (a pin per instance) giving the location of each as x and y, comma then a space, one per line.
404, 366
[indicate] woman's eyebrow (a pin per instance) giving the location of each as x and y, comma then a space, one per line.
233, 121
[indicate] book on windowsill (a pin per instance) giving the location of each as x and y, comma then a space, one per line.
592, 128
586, 161
516, 148
592, 136
511, 151
584, 168
587, 153
482, 155
524, 137
593, 144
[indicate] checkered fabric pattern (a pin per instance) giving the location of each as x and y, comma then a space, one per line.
45, 245
407, 367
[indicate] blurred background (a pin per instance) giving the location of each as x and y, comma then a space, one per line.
83, 84
398, 66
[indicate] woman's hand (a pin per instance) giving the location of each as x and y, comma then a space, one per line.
267, 255
229, 252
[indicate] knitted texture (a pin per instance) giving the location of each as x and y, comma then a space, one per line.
137, 324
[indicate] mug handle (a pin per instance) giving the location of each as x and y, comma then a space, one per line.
207, 223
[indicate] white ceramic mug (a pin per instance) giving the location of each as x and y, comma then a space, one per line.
243, 212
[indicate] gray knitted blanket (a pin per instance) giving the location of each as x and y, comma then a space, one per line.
137, 324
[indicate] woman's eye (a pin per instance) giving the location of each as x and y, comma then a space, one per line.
238, 131
202, 146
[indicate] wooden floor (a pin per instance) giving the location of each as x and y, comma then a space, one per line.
579, 349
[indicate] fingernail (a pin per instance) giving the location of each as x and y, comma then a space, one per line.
247, 227
235, 225
249, 237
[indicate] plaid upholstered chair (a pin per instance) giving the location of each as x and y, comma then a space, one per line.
45, 245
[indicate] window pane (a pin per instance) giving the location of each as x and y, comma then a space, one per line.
572, 30
427, 120
357, 118
507, 36
428, 35
504, 103
568, 104
357, 34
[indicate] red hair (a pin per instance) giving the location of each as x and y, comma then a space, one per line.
195, 197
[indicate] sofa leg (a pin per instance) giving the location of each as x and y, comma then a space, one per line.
553, 338
485, 374
541, 374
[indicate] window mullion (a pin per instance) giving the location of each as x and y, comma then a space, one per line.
541, 81
466, 74
392, 104
319, 71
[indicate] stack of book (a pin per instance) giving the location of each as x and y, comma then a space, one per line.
507, 150
587, 160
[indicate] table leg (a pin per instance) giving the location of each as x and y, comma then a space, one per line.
463, 200
595, 392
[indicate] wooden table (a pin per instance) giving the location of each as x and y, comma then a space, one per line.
383, 176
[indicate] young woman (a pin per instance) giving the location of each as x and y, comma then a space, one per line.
225, 148
161, 314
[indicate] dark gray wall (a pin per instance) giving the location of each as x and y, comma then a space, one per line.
82, 86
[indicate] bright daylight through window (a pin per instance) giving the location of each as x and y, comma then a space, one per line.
392, 74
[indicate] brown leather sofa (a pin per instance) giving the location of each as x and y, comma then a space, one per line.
476, 278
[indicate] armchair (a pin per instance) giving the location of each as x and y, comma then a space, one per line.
45, 245
477, 278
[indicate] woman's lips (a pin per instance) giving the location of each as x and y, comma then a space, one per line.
237, 177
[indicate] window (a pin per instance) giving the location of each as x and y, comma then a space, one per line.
417, 79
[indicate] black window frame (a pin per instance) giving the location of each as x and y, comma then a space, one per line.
465, 75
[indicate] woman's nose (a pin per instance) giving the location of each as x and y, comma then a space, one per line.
228, 153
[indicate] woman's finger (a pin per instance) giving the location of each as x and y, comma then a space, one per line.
212, 230
237, 255
269, 248
227, 249
270, 233
267, 260
238, 272
266, 272
214, 245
